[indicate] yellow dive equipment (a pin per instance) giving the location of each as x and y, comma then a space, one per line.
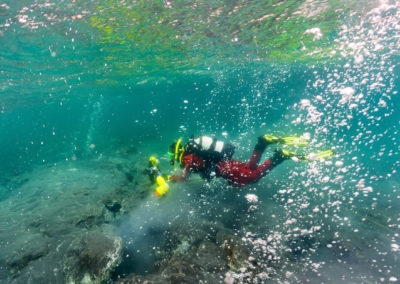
156, 177
288, 140
162, 187
153, 161
177, 148
176, 156
310, 157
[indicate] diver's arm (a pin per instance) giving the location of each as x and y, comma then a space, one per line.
183, 175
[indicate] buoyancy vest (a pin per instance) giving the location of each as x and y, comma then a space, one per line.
194, 161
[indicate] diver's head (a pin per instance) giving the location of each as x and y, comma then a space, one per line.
175, 152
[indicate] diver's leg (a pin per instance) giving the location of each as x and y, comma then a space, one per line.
263, 169
268, 165
255, 159
262, 143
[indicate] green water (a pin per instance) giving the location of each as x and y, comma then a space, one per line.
90, 89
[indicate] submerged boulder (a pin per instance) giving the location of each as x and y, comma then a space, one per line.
209, 257
180, 269
112, 206
234, 250
30, 248
93, 216
91, 259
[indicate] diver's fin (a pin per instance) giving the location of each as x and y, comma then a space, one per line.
286, 154
293, 141
283, 154
271, 139
320, 155
288, 140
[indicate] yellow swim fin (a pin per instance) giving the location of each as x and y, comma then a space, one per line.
320, 155
288, 140
286, 154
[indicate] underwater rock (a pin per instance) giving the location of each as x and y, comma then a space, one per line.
91, 259
142, 279
30, 247
93, 217
180, 269
113, 206
204, 262
193, 263
205, 255
182, 238
210, 257
190, 256
57, 204
234, 249
127, 196
129, 176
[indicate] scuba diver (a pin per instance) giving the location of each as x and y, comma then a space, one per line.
211, 157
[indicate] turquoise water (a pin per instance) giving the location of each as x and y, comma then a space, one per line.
89, 90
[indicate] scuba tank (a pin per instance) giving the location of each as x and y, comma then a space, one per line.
212, 151
210, 148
